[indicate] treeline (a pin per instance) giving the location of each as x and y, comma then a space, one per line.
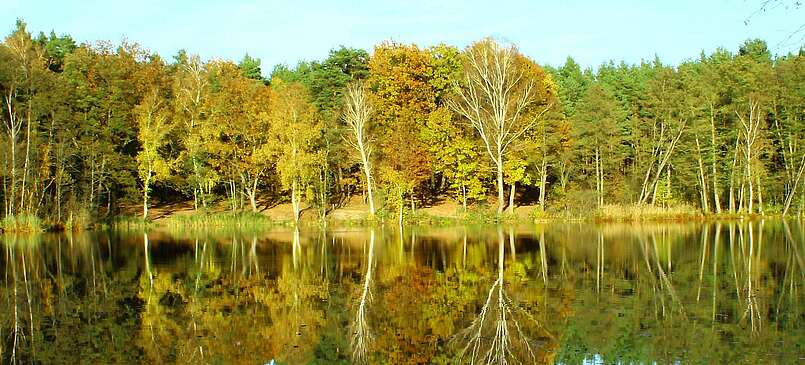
89, 129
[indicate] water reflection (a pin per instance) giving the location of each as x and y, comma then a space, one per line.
495, 335
726, 292
361, 336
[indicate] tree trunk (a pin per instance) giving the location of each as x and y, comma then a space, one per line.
13, 129
26, 166
646, 179
324, 185
599, 184
501, 200
400, 209
702, 178
732, 175
252, 192
253, 201
5, 189
794, 189
464, 197
750, 131
204, 195
368, 176
13, 200
759, 196
543, 185
665, 158
145, 194
751, 184
511, 197
716, 199
295, 202
58, 191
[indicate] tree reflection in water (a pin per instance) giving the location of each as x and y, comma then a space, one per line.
495, 335
361, 335
727, 292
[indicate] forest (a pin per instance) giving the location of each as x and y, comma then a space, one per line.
93, 131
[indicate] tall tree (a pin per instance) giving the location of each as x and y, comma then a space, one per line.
500, 86
191, 88
403, 98
665, 121
357, 115
23, 73
789, 122
596, 130
572, 83
237, 139
705, 84
154, 127
750, 103
297, 127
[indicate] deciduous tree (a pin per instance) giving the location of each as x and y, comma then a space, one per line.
499, 88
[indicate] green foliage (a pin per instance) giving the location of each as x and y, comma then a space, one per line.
250, 68
153, 131
57, 48
297, 130
90, 130
456, 155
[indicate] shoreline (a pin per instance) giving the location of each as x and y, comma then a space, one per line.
444, 214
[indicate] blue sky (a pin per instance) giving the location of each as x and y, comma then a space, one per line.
289, 31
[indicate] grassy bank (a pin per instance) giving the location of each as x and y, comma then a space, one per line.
244, 220
644, 212
22, 223
423, 217
201, 220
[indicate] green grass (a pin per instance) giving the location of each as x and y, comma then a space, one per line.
22, 223
474, 215
219, 220
129, 222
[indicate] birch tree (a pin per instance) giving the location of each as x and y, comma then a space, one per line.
296, 125
153, 131
496, 335
12, 124
21, 75
357, 112
362, 338
499, 88
191, 87
706, 79
663, 129
750, 106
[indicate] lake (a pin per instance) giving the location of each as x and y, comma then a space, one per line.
565, 293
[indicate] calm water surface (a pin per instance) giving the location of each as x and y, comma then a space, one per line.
716, 293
